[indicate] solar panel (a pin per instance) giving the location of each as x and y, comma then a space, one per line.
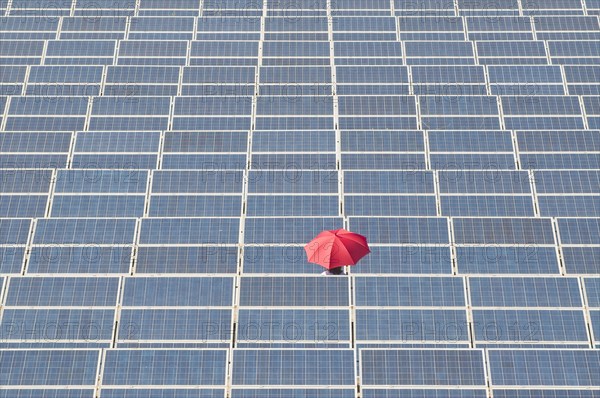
56, 259
291, 393
524, 292
177, 292
293, 367
63, 292
404, 326
414, 393
422, 367
165, 367
293, 326
413, 259
30, 367
409, 291
527, 368
527, 326
294, 291
50, 327
162, 393
42, 393
148, 327
496, 259
186, 260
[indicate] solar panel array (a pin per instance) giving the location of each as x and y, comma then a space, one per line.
164, 162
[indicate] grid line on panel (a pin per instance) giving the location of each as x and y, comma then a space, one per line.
44, 51
88, 113
531, 23
171, 112
427, 148
119, 306
563, 77
586, 313
58, 28
99, 373
488, 86
466, 35
534, 195
469, 311
515, 146
49, 202
161, 150
136, 246
71, 152
127, 27
115, 58
28, 246
418, 111
102, 88
452, 239
5, 114
25, 82
557, 239
147, 196
487, 372
72, 10
436, 188
547, 50
584, 116
500, 111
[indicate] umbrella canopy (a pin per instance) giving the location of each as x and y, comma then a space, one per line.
336, 248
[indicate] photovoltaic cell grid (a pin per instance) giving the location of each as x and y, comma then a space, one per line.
162, 165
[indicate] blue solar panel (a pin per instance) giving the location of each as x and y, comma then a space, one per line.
187, 260
31, 368
524, 292
42, 393
409, 291
40, 327
189, 231
592, 290
291, 393
402, 230
493, 259
180, 292
404, 326
419, 259
503, 231
144, 326
281, 230
530, 368
527, 326
84, 231
429, 393
162, 393
293, 326
422, 367
293, 367
545, 393
165, 367
86, 259
579, 230
294, 291
63, 292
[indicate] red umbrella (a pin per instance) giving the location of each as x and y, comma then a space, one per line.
332, 249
